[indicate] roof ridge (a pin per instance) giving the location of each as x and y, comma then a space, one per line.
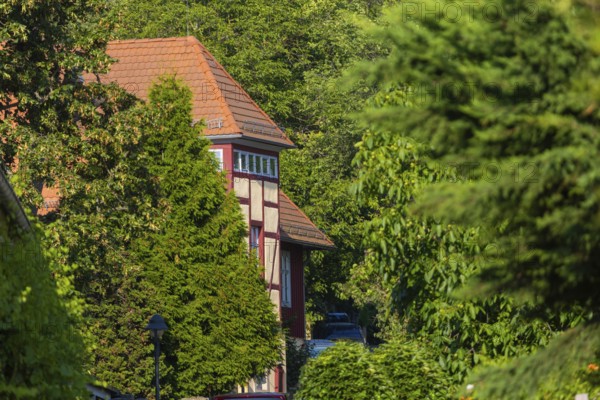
168, 39
283, 135
238, 87
198, 46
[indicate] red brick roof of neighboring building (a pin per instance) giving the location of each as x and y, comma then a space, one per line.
217, 98
296, 227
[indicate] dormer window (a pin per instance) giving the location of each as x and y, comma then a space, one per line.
253, 163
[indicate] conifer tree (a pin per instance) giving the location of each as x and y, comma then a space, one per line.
222, 325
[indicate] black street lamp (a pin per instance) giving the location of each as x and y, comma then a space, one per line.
157, 327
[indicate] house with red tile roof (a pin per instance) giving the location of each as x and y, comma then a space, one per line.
247, 143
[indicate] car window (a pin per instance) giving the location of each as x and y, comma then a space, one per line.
337, 317
338, 331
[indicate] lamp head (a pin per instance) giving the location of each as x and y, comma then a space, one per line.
156, 326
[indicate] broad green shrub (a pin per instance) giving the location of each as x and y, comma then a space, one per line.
342, 372
399, 370
409, 371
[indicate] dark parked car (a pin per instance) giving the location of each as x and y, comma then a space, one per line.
317, 346
255, 396
337, 317
343, 330
338, 331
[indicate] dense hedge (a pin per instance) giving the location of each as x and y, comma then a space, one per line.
396, 371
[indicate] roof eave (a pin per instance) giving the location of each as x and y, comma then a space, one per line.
240, 138
13, 205
308, 244
283, 145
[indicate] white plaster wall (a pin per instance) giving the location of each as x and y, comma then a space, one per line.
246, 211
272, 253
256, 200
271, 192
271, 219
241, 186
275, 299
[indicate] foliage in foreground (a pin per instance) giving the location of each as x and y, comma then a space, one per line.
42, 351
419, 260
568, 366
398, 370
494, 127
513, 114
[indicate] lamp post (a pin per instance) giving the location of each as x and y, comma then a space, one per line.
157, 327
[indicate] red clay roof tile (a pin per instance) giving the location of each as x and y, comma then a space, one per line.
215, 93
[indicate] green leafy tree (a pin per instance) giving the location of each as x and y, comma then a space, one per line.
45, 47
50, 120
42, 352
519, 138
79, 139
52, 123
503, 108
414, 264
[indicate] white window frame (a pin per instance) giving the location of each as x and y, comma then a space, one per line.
286, 278
261, 383
266, 164
255, 232
219, 157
